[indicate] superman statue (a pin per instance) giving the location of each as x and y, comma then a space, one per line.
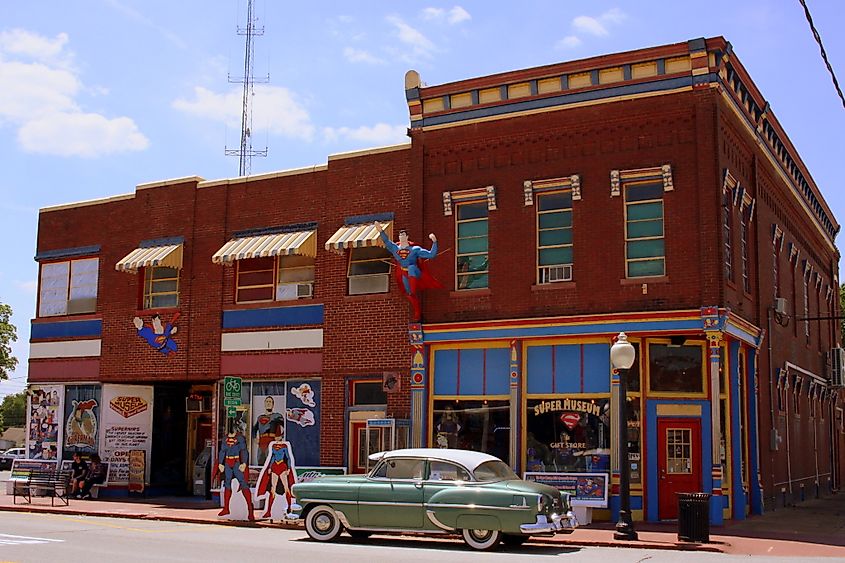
411, 274
279, 469
268, 425
233, 463
159, 336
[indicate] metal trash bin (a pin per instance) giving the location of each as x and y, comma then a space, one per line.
694, 517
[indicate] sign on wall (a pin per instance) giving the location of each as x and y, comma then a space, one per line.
81, 422
127, 419
584, 489
43, 422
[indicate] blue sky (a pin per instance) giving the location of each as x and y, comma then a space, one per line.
101, 95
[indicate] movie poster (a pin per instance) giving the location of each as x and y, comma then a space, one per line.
127, 419
43, 422
268, 424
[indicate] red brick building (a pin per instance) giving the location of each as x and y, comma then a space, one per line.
651, 192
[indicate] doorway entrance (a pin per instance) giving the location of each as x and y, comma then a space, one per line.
679, 462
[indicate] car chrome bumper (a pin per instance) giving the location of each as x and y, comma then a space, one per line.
553, 525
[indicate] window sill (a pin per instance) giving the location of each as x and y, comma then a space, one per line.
553, 286
471, 292
367, 296
640, 281
157, 311
71, 317
269, 304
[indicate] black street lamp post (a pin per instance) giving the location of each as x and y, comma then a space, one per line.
622, 355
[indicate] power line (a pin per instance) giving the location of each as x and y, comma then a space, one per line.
823, 52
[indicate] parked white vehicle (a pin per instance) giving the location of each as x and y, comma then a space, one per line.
8, 456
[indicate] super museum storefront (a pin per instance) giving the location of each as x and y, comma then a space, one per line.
542, 395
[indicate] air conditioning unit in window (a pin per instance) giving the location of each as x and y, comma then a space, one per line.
304, 289
288, 291
552, 274
837, 365
360, 285
197, 404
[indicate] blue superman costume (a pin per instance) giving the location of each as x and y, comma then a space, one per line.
234, 457
412, 274
280, 470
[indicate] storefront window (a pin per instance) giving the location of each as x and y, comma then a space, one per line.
633, 373
569, 434
478, 425
634, 434
675, 369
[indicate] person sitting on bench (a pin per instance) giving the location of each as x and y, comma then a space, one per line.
95, 476
78, 471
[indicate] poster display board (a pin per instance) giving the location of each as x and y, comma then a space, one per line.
127, 425
585, 489
43, 417
137, 471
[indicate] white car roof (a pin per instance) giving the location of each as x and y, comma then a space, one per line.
467, 458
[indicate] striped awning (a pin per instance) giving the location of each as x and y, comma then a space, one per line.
302, 243
169, 255
358, 236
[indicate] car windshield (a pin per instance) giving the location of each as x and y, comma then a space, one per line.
494, 471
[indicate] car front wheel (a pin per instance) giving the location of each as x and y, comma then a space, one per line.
322, 523
482, 540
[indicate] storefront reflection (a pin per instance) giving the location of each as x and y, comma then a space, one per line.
568, 435
478, 425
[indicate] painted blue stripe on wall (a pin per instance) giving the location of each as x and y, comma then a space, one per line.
275, 316
568, 368
472, 372
66, 329
655, 86
446, 372
596, 368
539, 369
562, 330
498, 371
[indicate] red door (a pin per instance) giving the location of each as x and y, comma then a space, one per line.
360, 449
679, 464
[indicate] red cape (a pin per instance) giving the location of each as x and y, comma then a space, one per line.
264, 484
425, 281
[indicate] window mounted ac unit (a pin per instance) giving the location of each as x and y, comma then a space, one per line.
780, 305
553, 274
360, 285
197, 404
837, 365
304, 289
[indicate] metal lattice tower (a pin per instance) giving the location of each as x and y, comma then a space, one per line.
245, 152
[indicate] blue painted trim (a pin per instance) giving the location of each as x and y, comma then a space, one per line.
695, 45
275, 230
503, 92
594, 77
67, 252
746, 337
532, 85
738, 494
371, 218
274, 317
412, 94
626, 72
753, 437
474, 97
66, 329
447, 102
563, 330
526, 105
661, 66
161, 242
564, 82
652, 450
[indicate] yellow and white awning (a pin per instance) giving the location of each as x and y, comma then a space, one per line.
169, 255
358, 236
302, 243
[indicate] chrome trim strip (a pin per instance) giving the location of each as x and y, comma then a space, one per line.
326, 501
433, 519
397, 530
481, 506
389, 503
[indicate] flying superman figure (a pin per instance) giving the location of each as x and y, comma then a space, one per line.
411, 274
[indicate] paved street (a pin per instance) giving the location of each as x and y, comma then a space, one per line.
43, 537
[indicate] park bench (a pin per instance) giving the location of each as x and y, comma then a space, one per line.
42, 482
95, 489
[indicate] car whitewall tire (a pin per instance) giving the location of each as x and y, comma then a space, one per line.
322, 523
482, 540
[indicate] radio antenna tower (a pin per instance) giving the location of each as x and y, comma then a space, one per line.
245, 152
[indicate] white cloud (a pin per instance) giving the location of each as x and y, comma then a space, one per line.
378, 134
275, 109
454, 16
568, 42
39, 90
598, 26
361, 56
87, 135
420, 44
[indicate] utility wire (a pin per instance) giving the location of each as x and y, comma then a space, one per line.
823, 52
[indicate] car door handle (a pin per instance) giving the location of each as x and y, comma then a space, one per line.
418, 484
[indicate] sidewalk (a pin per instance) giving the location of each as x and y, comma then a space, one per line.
815, 528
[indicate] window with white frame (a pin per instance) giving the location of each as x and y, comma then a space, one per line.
472, 259
161, 287
645, 253
369, 270
68, 287
281, 278
807, 307
743, 228
554, 237
727, 220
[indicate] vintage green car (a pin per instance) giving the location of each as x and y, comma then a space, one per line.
434, 491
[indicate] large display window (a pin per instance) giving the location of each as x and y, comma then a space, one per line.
676, 368
472, 424
568, 434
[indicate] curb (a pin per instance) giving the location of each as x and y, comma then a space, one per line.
30, 509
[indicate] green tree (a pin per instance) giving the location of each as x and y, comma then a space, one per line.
8, 334
13, 411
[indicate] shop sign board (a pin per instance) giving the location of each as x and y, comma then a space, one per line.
584, 489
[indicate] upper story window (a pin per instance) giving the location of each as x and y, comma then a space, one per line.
554, 237
807, 307
281, 278
369, 270
472, 258
645, 253
743, 231
69, 287
161, 287
727, 234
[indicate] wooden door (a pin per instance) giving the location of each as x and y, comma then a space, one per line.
679, 463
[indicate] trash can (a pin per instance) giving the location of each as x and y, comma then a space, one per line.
694, 517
